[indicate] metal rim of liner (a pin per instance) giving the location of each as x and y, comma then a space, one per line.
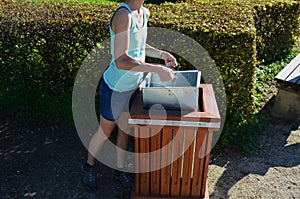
175, 123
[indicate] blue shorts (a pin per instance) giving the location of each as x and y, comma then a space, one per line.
112, 103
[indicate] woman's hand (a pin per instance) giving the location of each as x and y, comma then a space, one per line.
169, 59
166, 74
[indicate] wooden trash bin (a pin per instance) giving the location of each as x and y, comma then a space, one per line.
173, 150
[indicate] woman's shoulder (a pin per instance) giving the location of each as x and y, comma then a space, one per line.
147, 11
121, 20
122, 12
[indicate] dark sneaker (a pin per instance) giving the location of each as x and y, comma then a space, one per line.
125, 178
89, 177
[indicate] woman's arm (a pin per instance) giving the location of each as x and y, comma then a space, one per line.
121, 25
169, 59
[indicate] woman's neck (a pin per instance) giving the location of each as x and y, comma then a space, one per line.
135, 4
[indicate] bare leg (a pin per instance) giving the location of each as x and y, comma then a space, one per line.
103, 133
122, 145
122, 139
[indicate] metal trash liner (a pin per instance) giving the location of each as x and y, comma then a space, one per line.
181, 93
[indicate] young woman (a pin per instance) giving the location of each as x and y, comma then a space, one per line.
128, 29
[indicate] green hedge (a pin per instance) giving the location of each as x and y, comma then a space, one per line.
228, 34
43, 45
277, 26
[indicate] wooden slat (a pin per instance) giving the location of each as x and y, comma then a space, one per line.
188, 161
177, 160
198, 162
137, 159
166, 157
145, 161
208, 141
142, 196
285, 73
155, 161
209, 101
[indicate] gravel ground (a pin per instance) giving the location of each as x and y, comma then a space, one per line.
42, 160
272, 171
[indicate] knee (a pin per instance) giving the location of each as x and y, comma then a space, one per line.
123, 123
105, 132
106, 127
124, 131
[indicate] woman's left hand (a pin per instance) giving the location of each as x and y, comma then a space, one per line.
169, 59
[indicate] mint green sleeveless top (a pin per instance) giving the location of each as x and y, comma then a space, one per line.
125, 80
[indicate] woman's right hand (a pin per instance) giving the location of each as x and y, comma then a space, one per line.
166, 74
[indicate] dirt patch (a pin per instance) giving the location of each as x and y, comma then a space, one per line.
39, 160
42, 160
